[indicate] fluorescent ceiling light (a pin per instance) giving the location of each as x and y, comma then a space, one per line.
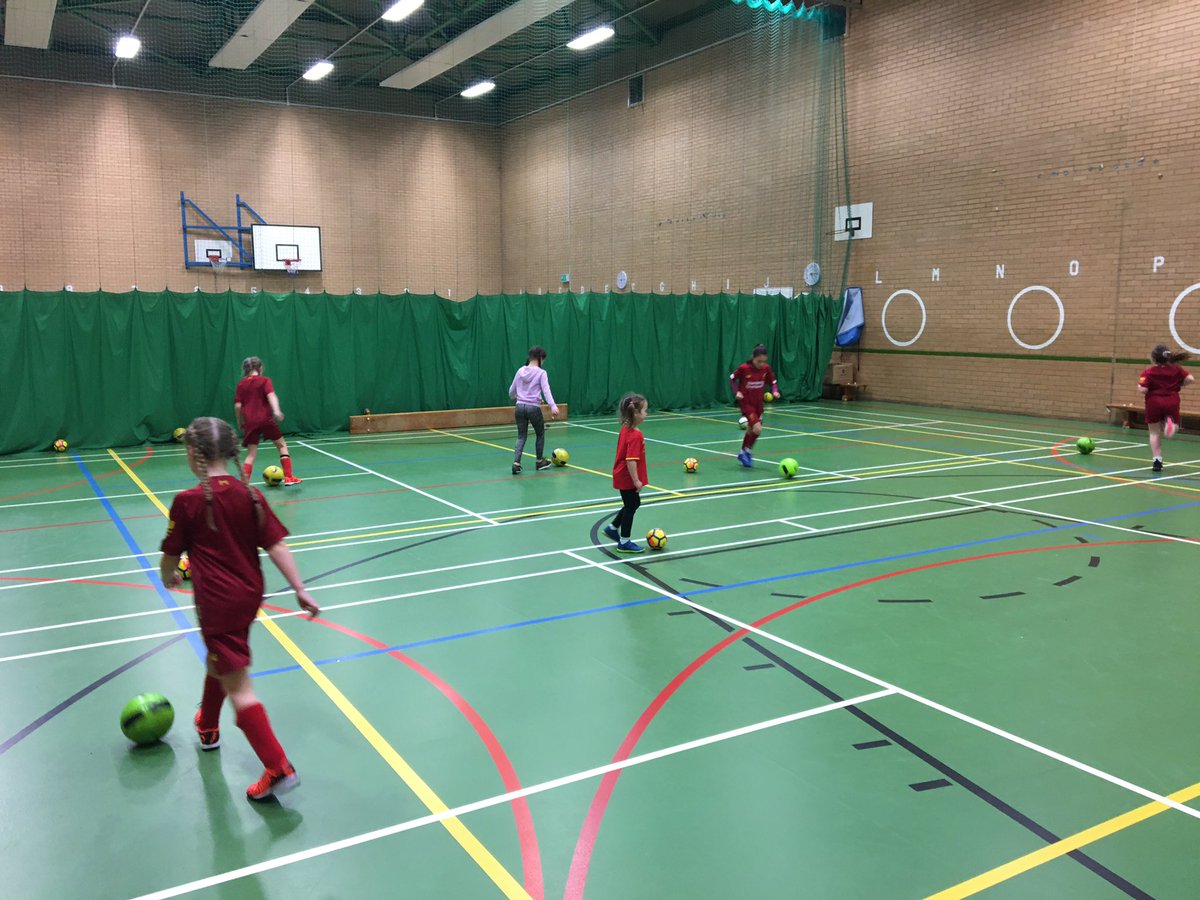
402, 10
479, 89
318, 70
128, 47
591, 38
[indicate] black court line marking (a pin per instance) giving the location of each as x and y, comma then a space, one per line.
954, 775
1001, 596
930, 785
682, 612
792, 596
871, 745
1093, 562
1048, 524
702, 583
759, 666
1067, 581
897, 600
45, 717
366, 559
1082, 540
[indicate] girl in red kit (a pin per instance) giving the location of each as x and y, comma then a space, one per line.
748, 381
221, 523
629, 471
1161, 384
257, 410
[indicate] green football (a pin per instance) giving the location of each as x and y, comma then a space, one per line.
146, 718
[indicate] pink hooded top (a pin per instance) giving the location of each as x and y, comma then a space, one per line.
529, 385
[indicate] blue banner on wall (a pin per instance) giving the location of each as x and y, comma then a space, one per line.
850, 326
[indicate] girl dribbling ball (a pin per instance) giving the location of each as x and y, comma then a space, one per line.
221, 523
1160, 384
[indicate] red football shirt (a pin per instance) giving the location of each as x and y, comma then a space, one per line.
252, 394
1163, 381
631, 444
752, 382
226, 574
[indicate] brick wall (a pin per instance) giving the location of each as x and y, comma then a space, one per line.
1060, 141
713, 179
91, 180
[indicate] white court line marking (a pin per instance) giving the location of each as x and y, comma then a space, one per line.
1106, 485
501, 799
1145, 532
415, 490
698, 448
93, 498
866, 414
807, 528
924, 701
678, 553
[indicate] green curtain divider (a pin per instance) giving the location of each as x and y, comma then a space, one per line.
111, 370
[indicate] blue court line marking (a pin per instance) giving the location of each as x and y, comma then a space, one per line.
168, 600
725, 587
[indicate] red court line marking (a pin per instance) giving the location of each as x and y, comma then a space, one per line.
1122, 478
149, 453
549, 473
581, 860
71, 524
530, 855
339, 496
124, 584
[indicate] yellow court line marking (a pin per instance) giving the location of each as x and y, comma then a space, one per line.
1111, 455
463, 437
1062, 847
482, 856
948, 454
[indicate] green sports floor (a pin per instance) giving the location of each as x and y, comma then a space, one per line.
951, 656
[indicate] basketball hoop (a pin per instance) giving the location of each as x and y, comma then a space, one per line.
291, 266
214, 260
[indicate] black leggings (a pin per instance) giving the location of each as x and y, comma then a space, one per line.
623, 521
527, 415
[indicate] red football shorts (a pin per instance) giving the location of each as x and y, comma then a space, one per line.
751, 410
1159, 408
268, 429
228, 651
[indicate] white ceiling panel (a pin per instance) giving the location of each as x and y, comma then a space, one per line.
262, 28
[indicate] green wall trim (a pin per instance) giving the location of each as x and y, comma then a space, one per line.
1107, 360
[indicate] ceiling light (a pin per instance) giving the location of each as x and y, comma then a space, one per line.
478, 89
591, 38
402, 10
128, 47
318, 70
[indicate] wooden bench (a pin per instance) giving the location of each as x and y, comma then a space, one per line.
850, 391
380, 423
1133, 415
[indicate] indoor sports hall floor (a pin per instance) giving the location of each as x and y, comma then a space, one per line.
952, 653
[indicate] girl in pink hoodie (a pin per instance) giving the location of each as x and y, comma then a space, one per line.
528, 387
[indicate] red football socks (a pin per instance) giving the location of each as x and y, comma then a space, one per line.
257, 727
749, 440
286, 462
247, 470
210, 703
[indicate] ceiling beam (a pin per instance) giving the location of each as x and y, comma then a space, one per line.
262, 28
27, 23
491, 31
